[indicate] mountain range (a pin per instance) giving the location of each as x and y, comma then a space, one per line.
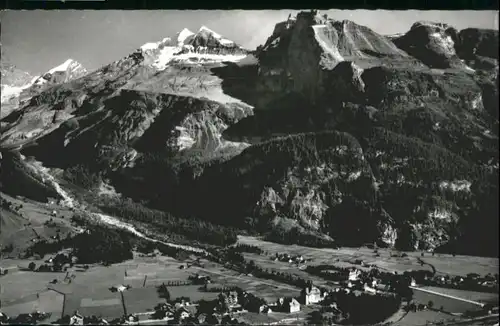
327, 131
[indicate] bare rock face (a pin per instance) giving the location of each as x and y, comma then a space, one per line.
147, 122
433, 44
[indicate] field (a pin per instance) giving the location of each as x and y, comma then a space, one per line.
447, 264
425, 317
19, 229
482, 297
447, 304
89, 291
267, 262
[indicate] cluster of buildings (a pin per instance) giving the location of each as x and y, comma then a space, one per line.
199, 279
297, 259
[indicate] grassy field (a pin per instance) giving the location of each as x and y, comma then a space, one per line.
459, 265
425, 317
482, 297
47, 301
19, 229
266, 289
88, 292
267, 262
448, 304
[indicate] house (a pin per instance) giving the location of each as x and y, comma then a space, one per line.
181, 314
76, 319
232, 298
292, 305
354, 275
182, 303
311, 295
413, 282
132, 318
265, 309
369, 289
208, 319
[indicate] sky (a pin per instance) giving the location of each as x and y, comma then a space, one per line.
37, 40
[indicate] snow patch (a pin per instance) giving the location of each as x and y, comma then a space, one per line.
206, 29
205, 57
165, 56
9, 92
64, 66
331, 50
183, 35
154, 45
149, 46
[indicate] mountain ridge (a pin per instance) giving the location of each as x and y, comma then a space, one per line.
326, 118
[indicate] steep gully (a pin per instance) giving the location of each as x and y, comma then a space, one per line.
70, 202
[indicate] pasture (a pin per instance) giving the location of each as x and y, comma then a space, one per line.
46, 301
445, 304
268, 290
424, 317
446, 264
268, 263
89, 291
482, 297
21, 228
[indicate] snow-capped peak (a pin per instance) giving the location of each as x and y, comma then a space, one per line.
215, 35
183, 35
154, 45
70, 63
208, 30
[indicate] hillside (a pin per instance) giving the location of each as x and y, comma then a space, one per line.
329, 130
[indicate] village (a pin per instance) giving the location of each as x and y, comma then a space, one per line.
223, 300
250, 282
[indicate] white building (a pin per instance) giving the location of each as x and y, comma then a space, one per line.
311, 295
354, 275
76, 319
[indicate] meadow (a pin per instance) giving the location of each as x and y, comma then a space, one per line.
445, 264
88, 291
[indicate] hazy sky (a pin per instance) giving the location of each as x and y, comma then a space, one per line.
38, 40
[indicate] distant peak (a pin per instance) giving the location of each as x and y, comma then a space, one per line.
183, 35
185, 31
429, 24
206, 29
155, 45
64, 66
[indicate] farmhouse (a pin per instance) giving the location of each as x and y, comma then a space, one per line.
369, 289
265, 309
181, 314
290, 305
354, 275
310, 295
76, 319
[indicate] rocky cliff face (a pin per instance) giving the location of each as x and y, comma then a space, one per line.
422, 101
139, 122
